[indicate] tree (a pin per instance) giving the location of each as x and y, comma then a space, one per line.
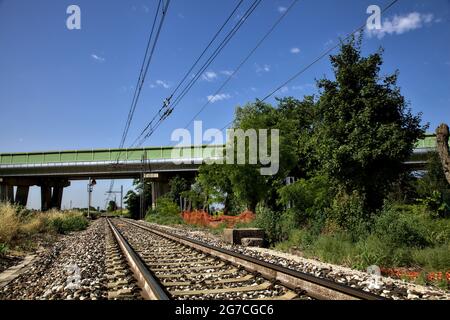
433, 188
243, 185
132, 203
363, 129
132, 198
215, 182
177, 185
112, 206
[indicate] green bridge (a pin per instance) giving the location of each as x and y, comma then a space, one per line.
54, 170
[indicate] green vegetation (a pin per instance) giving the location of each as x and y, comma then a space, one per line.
167, 212
132, 198
352, 201
18, 226
112, 206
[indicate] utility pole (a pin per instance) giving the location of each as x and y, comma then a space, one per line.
141, 192
121, 197
90, 186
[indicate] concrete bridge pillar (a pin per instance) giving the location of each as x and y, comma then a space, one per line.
22, 195
159, 188
52, 193
46, 197
2, 193
57, 197
6, 193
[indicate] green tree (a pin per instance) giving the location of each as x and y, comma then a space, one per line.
215, 182
363, 129
243, 185
132, 203
112, 206
433, 188
132, 198
177, 185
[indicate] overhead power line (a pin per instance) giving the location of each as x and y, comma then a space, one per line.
167, 108
258, 44
314, 61
268, 33
148, 55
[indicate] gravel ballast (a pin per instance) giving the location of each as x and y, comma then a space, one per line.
386, 287
72, 269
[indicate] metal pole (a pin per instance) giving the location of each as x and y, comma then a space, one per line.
89, 198
121, 199
141, 197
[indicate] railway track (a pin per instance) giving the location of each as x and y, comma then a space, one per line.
167, 266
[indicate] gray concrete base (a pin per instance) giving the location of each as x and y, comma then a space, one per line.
13, 272
235, 236
252, 242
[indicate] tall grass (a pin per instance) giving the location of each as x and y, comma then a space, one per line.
9, 223
18, 226
166, 212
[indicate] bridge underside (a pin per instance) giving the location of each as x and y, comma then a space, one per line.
53, 171
53, 178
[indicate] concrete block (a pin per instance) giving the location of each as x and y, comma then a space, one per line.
252, 242
235, 236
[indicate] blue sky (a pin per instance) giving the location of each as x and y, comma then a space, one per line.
71, 89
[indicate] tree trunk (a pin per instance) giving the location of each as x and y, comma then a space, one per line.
442, 134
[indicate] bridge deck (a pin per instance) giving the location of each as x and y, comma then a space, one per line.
99, 155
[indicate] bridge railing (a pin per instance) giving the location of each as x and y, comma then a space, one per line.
107, 155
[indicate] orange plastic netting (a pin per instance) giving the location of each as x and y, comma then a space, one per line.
202, 218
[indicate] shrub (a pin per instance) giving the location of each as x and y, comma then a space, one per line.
9, 223
335, 248
3, 249
165, 206
166, 212
306, 197
399, 229
349, 212
67, 222
436, 258
300, 239
371, 251
270, 221
35, 224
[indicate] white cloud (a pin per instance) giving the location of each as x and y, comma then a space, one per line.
295, 50
218, 97
97, 58
284, 89
209, 76
163, 84
227, 72
146, 9
282, 9
303, 87
253, 89
402, 24
328, 43
263, 68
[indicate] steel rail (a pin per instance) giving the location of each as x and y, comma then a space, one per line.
151, 287
315, 287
